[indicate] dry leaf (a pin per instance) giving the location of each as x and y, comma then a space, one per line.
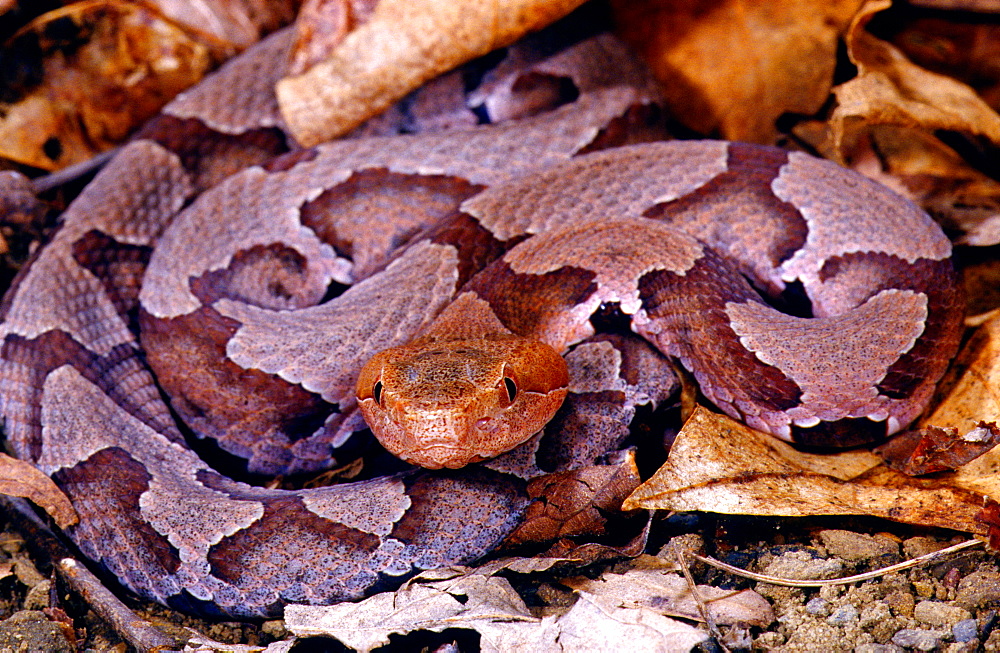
574, 502
464, 601
241, 23
719, 465
891, 90
732, 68
403, 45
320, 27
670, 594
887, 125
22, 479
969, 393
970, 396
129, 61
598, 623
935, 449
487, 604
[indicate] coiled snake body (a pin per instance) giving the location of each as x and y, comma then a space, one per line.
171, 274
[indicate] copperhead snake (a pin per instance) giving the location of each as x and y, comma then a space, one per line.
208, 285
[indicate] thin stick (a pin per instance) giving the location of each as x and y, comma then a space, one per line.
792, 582
73, 172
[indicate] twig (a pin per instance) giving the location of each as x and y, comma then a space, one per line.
138, 632
699, 600
792, 582
73, 172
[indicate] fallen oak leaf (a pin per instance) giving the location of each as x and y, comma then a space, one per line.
888, 124
404, 44
128, 59
19, 478
719, 465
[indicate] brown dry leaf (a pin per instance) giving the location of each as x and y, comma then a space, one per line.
21, 479
886, 125
573, 503
403, 45
732, 68
935, 449
890, 90
970, 396
670, 594
970, 393
719, 465
132, 60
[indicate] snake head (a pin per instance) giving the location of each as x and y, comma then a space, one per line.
447, 403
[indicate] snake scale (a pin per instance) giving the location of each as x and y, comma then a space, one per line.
213, 282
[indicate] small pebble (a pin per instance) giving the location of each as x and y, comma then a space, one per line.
901, 602
843, 615
877, 648
849, 545
918, 638
965, 630
818, 606
936, 613
978, 588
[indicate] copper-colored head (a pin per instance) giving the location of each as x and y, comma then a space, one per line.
447, 403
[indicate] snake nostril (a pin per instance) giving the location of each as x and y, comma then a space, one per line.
377, 392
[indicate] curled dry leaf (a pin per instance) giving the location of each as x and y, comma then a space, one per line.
935, 449
21, 479
732, 68
886, 125
404, 44
719, 465
124, 61
670, 594
321, 25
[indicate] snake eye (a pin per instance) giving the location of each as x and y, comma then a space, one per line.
377, 392
511, 388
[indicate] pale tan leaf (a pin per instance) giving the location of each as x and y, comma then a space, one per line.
320, 27
734, 67
670, 594
238, 22
719, 465
22, 479
886, 125
465, 601
403, 45
889, 89
600, 623
971, 394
